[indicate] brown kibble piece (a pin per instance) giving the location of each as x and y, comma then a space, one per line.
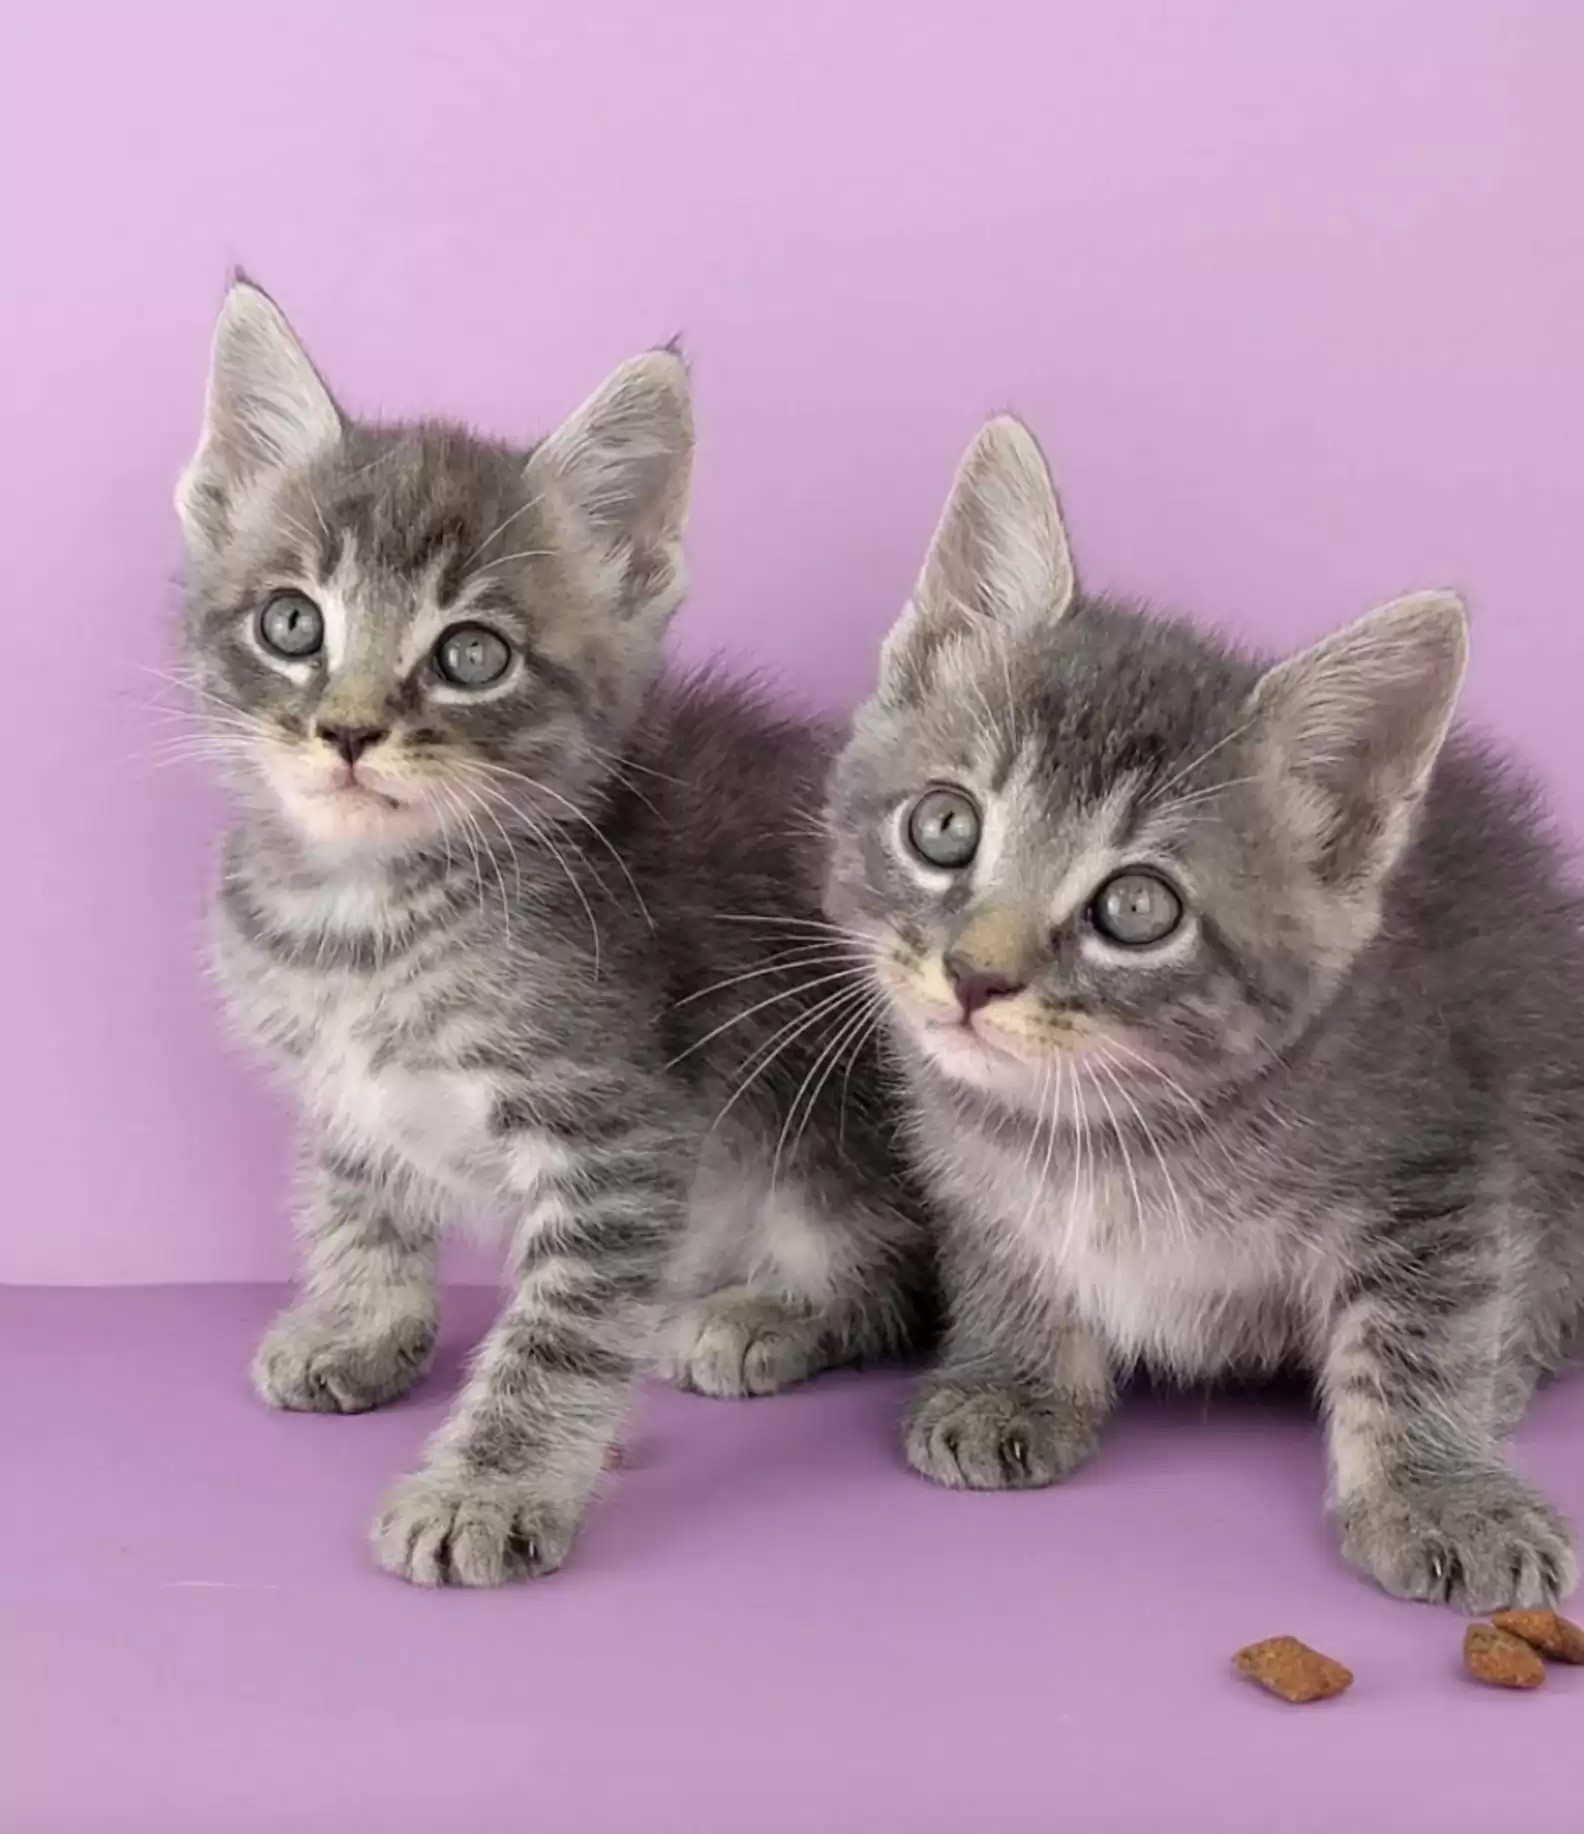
1552, 1635
1500, 1659
1292, 1669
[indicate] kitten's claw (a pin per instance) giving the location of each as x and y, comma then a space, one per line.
993, 1438
312, 1363
1479, 1542
456, 1528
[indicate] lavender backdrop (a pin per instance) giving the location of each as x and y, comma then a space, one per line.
1292, 292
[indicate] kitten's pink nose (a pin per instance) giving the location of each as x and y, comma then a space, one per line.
351, 741
976, 986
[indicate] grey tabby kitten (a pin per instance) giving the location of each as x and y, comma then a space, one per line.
1241, 1007
520, 919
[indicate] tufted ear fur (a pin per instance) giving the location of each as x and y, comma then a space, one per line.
1000, 552
266, 410
622, 464
1353, 726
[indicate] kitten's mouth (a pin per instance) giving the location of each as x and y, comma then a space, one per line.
964, 1032
359, 795
350, 791
348, 807
958, 1044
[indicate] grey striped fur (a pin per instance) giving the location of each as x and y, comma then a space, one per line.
1335, 1121
545, 957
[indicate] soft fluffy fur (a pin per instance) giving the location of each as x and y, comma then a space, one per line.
1336, 1120
545, 954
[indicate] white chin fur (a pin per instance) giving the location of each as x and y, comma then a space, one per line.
340, 819
331, 815
967, 1058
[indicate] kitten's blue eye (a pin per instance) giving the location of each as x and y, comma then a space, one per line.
472, 656
1136, 909
291, 625
943, 829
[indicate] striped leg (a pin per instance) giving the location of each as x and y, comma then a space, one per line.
507, 1479
1420, 1487
363, 1329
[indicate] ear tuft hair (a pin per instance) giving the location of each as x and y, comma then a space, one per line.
1000, 552
266, 409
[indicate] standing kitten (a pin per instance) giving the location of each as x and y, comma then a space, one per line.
520, 920
1242, 1013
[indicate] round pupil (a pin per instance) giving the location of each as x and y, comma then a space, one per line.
944, 829
1136, 907
292, 625
473, 657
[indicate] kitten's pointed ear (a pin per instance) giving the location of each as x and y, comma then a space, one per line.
1000, 552
1354, 726
266, 409
623, 464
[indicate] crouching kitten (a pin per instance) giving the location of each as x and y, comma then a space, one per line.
1243, 1013
533, 932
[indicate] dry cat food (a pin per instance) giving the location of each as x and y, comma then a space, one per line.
1553, 1636
1292, 1669
1505, 1653
1500, 1659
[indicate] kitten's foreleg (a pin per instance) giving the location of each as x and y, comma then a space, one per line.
507, 1479
1021, 1390
824, 1277
1413, 1384
363, 1329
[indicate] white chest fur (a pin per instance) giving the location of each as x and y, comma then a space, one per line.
436, 1120
381, 1073
1166, 1273
1192, 1302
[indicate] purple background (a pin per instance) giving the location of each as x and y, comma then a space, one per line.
1291, 291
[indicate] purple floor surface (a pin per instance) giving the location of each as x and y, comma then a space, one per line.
770, 1626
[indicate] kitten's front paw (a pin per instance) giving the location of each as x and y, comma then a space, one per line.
993, 1438
317, 1364
459, 1528
1481, 1542
739, 1342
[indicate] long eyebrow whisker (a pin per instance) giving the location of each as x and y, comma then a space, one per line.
501, 527
1193, 763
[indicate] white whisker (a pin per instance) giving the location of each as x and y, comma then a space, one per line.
827, 1058
1122, 1146
775, 999
501, 527
1103, 1063
544, 789
783, 964
1194, 763
787, 1036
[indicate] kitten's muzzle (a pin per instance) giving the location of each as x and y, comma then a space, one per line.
976, 985
992, 957
351, 741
